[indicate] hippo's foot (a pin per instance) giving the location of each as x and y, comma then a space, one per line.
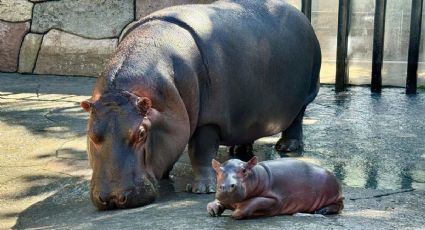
241, 152
215, 208
289, 147
330, 209
290, 144
204, 183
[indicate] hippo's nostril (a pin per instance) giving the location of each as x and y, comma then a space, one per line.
232, 187
122, 200
101, 200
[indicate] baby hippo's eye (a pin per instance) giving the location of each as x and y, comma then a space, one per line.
243, 171
142, 134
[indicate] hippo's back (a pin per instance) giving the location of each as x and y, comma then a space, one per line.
262, 62
303, 187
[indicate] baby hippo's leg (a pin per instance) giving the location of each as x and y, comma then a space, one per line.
331, 209
257, 206
215, 208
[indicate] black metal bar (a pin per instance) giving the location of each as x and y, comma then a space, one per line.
378, 45
341, 78
414, 43
306, 8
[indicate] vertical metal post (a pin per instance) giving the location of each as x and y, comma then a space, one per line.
378, 45
414, 43
306, 8
341, 78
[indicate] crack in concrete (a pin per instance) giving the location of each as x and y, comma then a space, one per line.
37, 91
57, 172
46, 116
22, 99
42, 100
383, 195
20, 166
61, 146
418, 181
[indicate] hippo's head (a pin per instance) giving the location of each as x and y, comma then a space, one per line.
131, 144
232, 176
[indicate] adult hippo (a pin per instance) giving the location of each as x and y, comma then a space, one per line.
226, 73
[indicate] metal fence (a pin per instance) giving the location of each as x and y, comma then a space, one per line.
341, 75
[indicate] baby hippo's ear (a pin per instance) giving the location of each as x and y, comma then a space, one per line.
251, 163
216, 165
144, 104
86, 105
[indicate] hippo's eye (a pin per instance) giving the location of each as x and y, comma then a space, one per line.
142, 134
243, 171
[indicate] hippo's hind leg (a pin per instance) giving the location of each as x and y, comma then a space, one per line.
331, 209
242, 152
291, 139
203, 147
256, 206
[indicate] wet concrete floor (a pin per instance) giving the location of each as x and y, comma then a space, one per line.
374, 143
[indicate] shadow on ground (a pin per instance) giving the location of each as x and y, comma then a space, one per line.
49, 105
69, 208
373, 143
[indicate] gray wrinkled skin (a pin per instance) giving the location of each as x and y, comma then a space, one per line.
226, 73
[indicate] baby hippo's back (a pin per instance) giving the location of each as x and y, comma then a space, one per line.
303, 187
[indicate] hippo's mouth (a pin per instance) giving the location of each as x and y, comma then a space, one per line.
140, 195
230, 197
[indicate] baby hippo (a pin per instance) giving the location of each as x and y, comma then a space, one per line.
276, 187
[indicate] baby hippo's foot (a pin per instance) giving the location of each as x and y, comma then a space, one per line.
330, 209
214, 208
204, 182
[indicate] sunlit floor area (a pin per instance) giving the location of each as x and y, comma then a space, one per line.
373, 143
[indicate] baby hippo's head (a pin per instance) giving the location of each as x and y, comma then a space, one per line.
232, 178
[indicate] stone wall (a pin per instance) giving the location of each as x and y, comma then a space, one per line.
67, 37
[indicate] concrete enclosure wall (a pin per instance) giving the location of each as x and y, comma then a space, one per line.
76, 37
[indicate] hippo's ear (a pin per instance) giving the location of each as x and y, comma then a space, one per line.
86, 105
216, 165
251, 163
144, 104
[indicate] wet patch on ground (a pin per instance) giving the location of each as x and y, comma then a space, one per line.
373, 143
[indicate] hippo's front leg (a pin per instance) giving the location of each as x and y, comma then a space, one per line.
215, 208
203, 147
257, 206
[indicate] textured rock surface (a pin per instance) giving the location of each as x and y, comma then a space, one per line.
67, 54
145, 7
87, 18
11, 36
15, 10
29, 50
